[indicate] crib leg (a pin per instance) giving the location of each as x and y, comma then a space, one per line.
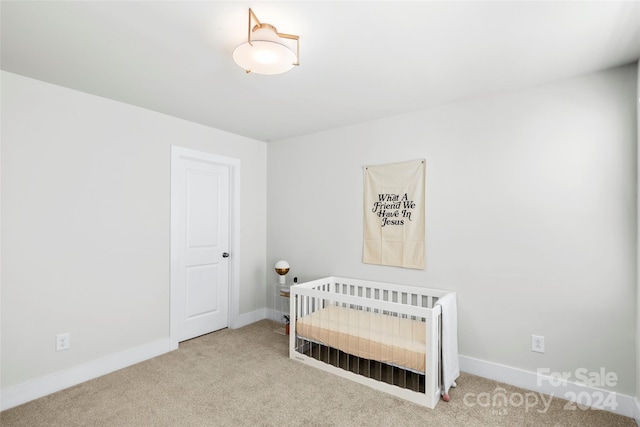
454, 385
445, 397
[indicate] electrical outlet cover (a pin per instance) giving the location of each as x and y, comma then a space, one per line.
62, 342
537, 343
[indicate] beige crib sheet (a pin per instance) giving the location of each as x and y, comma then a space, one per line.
374, 336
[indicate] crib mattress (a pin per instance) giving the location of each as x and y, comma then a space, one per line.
375, 336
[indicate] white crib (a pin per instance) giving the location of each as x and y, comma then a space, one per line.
383, 335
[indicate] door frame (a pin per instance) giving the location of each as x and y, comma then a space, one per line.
234, 236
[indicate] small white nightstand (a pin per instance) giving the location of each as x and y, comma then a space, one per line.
281, 308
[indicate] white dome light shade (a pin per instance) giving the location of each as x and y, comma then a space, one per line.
264, 57
265, 54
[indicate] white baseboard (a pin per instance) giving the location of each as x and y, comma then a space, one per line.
39, 387
249, 318
565, 389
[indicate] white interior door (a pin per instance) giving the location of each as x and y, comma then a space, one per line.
200, 246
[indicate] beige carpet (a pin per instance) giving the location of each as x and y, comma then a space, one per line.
243, 377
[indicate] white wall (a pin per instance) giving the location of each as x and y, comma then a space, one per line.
530, 216
637, 415
85, 224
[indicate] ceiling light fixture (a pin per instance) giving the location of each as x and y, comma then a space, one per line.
264, 51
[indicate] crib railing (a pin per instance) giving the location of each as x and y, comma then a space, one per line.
371, 291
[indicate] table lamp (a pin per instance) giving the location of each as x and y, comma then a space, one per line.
282, 268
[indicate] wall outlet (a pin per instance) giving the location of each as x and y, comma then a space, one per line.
63, 342
537, 343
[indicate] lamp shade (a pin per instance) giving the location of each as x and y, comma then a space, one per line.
282, 267
265, 54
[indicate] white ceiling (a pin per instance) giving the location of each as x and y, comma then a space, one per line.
359, 60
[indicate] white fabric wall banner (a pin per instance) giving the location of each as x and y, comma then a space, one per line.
394, 214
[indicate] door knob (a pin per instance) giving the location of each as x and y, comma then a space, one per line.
225, 255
